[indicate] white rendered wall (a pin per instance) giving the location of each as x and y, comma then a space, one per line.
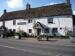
9, 24
59, 22
25, 27
64, 22
1, 23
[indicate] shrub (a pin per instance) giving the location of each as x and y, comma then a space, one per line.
22, 33
69, 33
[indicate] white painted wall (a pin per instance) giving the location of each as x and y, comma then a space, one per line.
9, 24
65, 22
1, 23
25, 27
59, 22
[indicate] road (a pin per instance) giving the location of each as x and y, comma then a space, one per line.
20, 48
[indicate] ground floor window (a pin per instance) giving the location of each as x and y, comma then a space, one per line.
29, 21
14, 30
30, 30
10, 30
54, 30
46, 30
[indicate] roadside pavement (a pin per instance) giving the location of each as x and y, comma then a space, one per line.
32, 47
60, 42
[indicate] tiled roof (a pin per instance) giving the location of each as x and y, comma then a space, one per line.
44, 11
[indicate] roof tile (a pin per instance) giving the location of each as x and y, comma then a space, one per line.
51, 10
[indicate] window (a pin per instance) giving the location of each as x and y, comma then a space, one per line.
60, 28
55, 30
29, 21
10, 30
14, 30
46, 30
14, 22
30, 30
50, 20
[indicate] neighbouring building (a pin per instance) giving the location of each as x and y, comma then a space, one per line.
46, 20
74, 25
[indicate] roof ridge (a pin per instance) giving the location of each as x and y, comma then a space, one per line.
39, 7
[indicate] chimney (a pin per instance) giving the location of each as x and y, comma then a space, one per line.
5, 11
67, 2
28, 6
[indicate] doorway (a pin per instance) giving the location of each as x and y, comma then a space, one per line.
38, 32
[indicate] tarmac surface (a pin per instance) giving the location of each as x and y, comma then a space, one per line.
32, 47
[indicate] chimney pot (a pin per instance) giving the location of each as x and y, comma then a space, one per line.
5, 11
67, 2
28, 6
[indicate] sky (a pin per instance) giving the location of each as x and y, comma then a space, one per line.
14, 5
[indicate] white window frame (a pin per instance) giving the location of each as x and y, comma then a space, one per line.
50, 19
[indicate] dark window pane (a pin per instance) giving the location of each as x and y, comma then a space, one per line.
29, 21
14, 30
55, 30
50, 20
10, 30
30, 30
46, 30
14, 22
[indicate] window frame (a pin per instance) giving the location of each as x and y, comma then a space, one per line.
50, 19
29, 30
14, 22
46, 30
54, 30
29, 20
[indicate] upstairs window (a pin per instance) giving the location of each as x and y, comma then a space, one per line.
14, 22
29, 21
50, 20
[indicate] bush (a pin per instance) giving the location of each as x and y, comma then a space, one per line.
55, 37
69, 33
22, 33
10, 33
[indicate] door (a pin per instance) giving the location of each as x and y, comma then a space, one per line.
38, 31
